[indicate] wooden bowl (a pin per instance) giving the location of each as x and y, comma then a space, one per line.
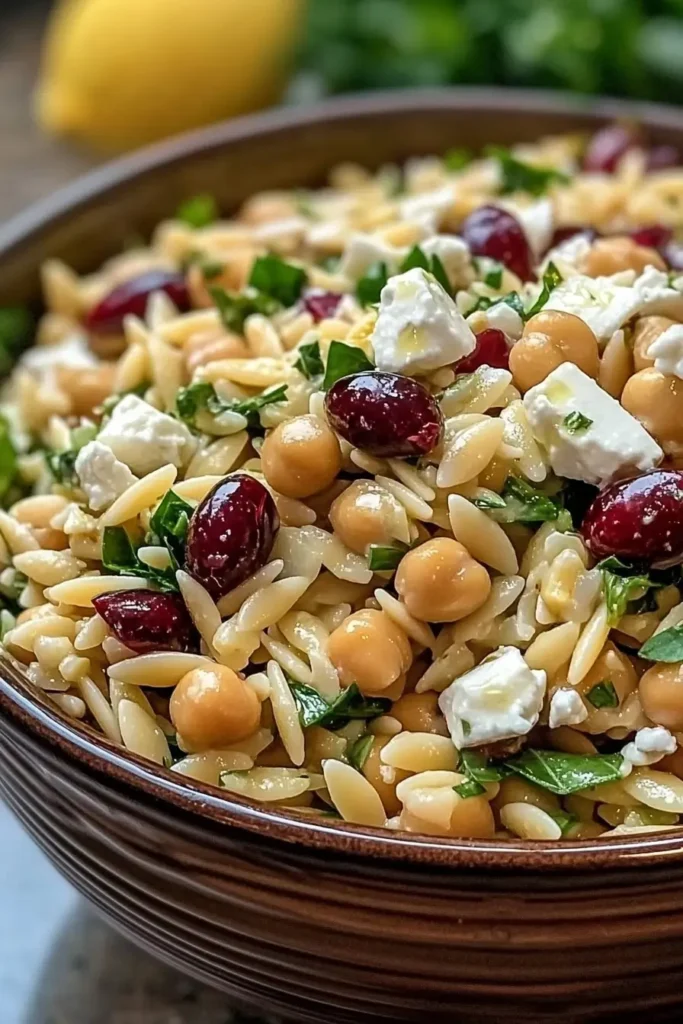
322, 920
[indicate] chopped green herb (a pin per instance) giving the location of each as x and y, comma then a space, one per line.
489, 501
190, 401
8, 458
551, 278
494, 277
576, 423
603, 695
469, 788
109, 404
476, 766
382, 557
277, 279
7, 621
348, 706
62, 464
457, 158
15, 335
359, 752
211, 269
618, 587
310, 361
666, 646
329, 263
523, 503
234, 309
198, 211
439, 272
518, 176
432, 264
169, 525
466, 727
512, 299
119, 557
564, 820
343, 360
564, 774
369, 287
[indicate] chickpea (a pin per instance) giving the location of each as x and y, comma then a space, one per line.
615, 667
370, 650
661, 694
363, 515
672, 763
551, 338
418, 712
646, 330
212, 707
301, 457
656, 399
471, 818
207, 346
519, 791
612, 255
372, 770
86, 387
439, 581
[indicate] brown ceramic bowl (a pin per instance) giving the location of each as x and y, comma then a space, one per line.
325, 921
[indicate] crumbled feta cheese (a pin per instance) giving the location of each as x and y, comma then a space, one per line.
499, 699
101, 475
611, 444
648, 746
362, 251
602, 303
454, 253
538, 224
568, 255
428, 207
418, 327
73, 352
657, 296
566, 708
144, 438
667, 351
506, 319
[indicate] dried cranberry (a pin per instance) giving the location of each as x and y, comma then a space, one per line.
492, 350
131, 297
492, 231
146, 621
608, 146
654, 235
320, 304
639, 519
659, 158
384, 414
231, 533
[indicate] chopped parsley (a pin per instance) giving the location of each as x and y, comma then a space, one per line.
551, 278
603, 695
432, 264
120, 557
469, 788
576, 423
202, 396
520, 503
564, 774
169, 524
343, 360
666, 646
517, 176
349, 706
620, 585
360, 751
456, 158
234, 309
62, 465
281, 281
309, 361
198, 211
16, 325
382, 558
8, 458
369, 287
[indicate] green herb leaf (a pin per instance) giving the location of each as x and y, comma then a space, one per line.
457, 158
524, 504
439, 271
369, 287
564, 820
234, 309
382, 558
169, 525
277, 279
564, 774
513, 299
119, 557
466, 727
619, 588
310, 361
198, 211
343, 360
494, 277
603, 695
415, 258
311, 705
576, 423
477, 767
518, 176
666, 646
349, 705
359, 752
8, 458
16, 326
190, 401
486, 502
62, 465
469, 788
551, 278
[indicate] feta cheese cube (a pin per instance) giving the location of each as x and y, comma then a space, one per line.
428, 207
454, 253
73, 352
362, 251
648, 746
610, 445
538, 223
506, 319
566, 708
568, 255
101, 475
419, 327
601, 302
499, 699
657, 296
667, 351
144, 438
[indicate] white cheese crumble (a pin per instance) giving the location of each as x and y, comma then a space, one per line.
506, 319
419, 327
73, 353
101, 475
499, 699
667, 351
454, 253
566, 708
601, 302
362, 251
568, 255
611, 444
538, 223
657, 296
648, 746
427, 207
144, 438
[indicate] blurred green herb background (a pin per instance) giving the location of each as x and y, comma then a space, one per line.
615, 47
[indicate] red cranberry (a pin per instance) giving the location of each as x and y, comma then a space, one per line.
659, 158
131, 297
147, 621
656, 236
231, 533
321, 304
492, 350
608, 146
639, 519
492, 231
384, 414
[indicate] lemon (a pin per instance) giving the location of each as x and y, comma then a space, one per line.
120, 73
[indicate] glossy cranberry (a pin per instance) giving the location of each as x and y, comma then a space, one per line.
131, 297
147, 621
561, 235
656, 236
492, 350
608, 146
231, 533
492, 231
384, 414
639, 519
659, 158
320, 304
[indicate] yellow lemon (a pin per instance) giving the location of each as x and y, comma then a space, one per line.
120, 73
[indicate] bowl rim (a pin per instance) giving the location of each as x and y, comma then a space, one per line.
28, 707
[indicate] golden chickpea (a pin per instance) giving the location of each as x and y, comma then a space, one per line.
519, 791
471, 818
619, 252
672, 763
661, 694
362, 515
207, 346
369, 649
551, 338
86, 387
614, 666
646, 330
301, 457
656, 399
266, 207
418, 712
212, 707
439, 581
372, 770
